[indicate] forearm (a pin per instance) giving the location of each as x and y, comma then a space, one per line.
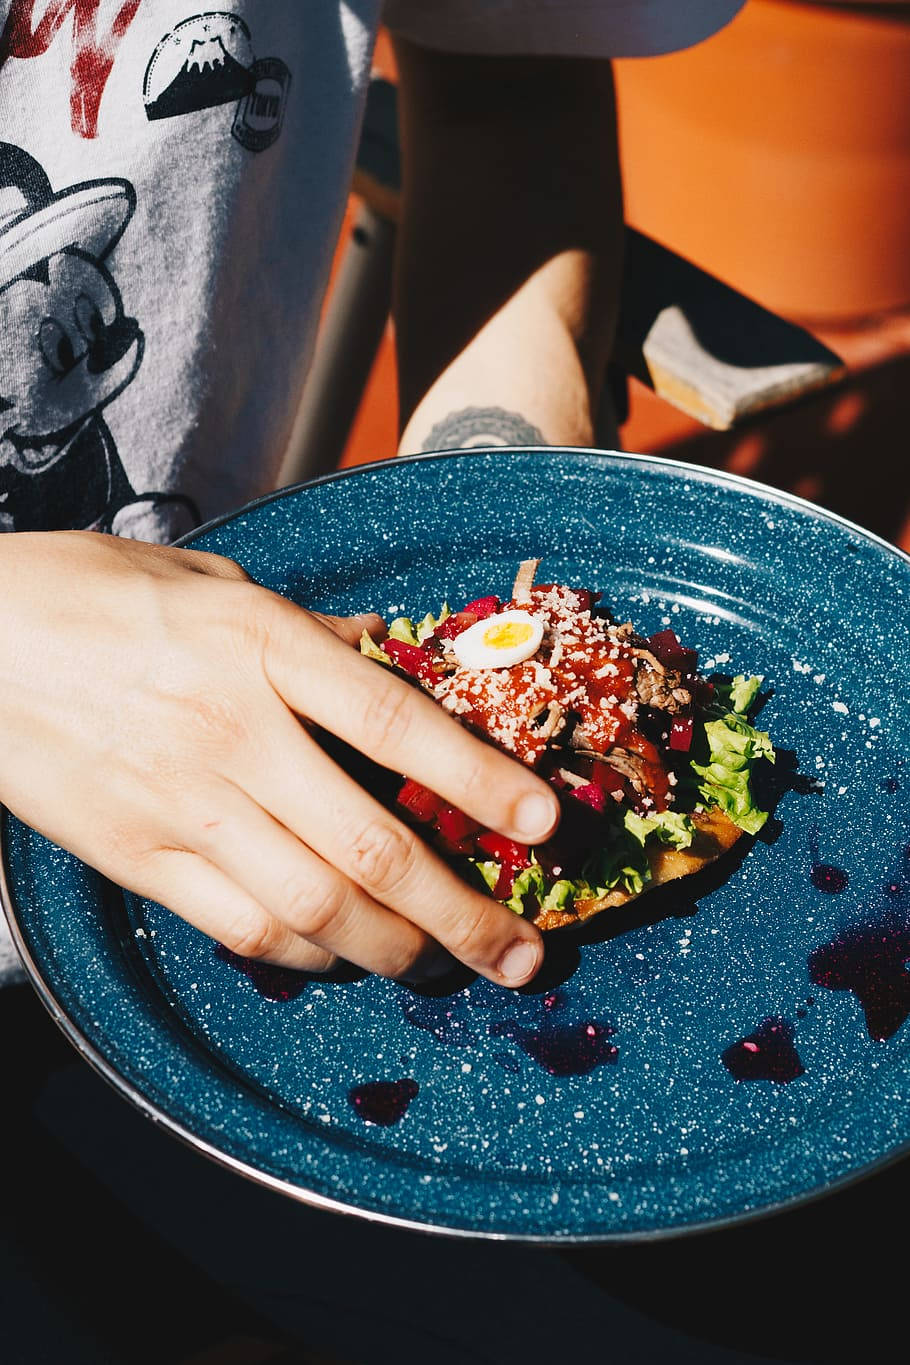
509, 250
521, 381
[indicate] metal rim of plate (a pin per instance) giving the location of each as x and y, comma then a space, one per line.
99, 1062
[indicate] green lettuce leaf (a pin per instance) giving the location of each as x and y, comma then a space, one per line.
530, 881
734, 747
560, 894
488, 870
668, 827
402, 628
619, 864
369, 647
739, 693
430, 622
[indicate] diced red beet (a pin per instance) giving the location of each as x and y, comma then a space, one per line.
505, 851
453, 625
454, 825
464, 848
665, 645
419, 801
681, 734
411, 659
483, 607
503, 888
704, 692
592, 795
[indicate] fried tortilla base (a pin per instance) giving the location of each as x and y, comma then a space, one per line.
715, 834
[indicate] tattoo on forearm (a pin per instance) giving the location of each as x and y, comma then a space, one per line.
473, 427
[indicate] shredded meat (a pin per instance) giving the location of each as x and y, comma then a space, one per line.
650, 658
554, 722
630, 766
661, 689
572, 779
627, 764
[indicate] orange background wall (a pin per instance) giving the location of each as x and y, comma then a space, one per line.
846, 449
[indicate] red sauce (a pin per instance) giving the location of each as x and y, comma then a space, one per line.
581, 666
500, 702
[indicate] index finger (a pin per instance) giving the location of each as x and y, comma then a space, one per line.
393, 722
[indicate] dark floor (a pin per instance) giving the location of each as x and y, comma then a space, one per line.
119, 1246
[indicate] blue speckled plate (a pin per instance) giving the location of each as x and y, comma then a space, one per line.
743, 1034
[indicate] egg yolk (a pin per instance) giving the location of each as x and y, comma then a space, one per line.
508, 634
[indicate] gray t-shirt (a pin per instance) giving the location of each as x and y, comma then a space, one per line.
167, 221
172, 180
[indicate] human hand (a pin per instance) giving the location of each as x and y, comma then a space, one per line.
151, 708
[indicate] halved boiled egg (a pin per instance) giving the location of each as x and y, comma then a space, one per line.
499, 641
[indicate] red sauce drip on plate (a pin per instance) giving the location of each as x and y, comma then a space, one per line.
871, 961
273, 983
827, 877
562, 1050
768, 1054
383, 1102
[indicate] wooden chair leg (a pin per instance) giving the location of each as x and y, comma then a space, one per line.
349, 338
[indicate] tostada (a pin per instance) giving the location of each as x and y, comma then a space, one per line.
653, 763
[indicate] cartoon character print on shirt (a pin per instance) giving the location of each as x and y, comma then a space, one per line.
207, 61
67, 349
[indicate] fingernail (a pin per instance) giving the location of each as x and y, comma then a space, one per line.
535, 816
519, 961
